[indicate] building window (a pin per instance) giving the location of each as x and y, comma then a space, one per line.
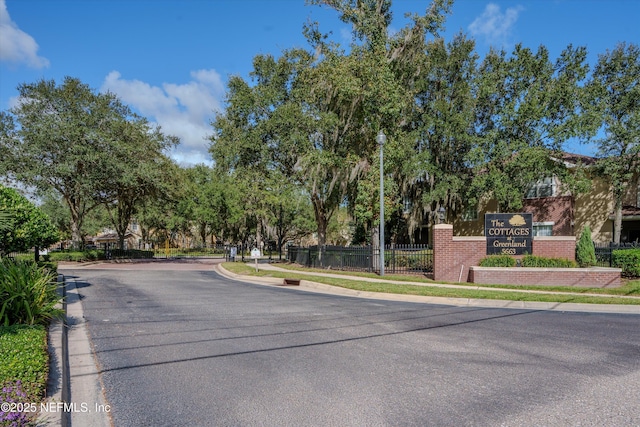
543, 188
543, 228
470, 213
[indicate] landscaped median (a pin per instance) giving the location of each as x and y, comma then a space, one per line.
628, 294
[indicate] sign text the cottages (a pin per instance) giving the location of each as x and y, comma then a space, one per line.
508, 234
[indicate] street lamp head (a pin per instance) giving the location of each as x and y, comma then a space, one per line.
441, 213
381, 138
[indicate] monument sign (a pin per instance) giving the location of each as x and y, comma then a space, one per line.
508, 234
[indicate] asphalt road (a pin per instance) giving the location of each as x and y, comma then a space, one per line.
190, 348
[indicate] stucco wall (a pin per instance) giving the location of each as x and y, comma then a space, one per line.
594, 209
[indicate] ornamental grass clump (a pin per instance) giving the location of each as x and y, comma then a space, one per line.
28, 294
12, 399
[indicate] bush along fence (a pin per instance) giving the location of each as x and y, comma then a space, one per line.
217, 251
398, 259
628, 260
605, 252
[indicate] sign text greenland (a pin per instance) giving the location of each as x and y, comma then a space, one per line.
508, 234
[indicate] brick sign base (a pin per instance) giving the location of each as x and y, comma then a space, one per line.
454, 258
527, 276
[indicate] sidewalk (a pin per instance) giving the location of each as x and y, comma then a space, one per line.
462, 302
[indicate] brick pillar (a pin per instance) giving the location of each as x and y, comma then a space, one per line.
442, 251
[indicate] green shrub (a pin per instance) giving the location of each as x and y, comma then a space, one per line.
24, 257
498, 261
131, 254
417, 261
628, 260
585, 251
24, 358
78, 256
538, 261
28, 293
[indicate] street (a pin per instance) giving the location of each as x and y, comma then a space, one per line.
179, 348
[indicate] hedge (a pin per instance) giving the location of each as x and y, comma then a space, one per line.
527, 261
538, 261
498, 261
628, 260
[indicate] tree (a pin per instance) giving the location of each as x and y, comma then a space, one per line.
29, 226
434, 171
141, 170
614, 94
585, 251
256, 136
290, 214
313, 116
68, 139
527, 108
53, 206
212, 202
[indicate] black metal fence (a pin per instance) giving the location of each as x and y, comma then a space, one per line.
212, 251
398, 259
604, 252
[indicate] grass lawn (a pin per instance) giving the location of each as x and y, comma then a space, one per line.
24, 357
463, 290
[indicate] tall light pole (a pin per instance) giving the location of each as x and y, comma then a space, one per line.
381, 139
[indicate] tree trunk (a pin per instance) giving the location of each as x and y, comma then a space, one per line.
259, 236
321, 221
617, 221
203, 233
322, 239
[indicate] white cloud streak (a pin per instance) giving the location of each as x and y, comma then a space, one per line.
16, 46
493, 25
183, 110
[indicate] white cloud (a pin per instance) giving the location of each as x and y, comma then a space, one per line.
17, 46
494, 25
183, 110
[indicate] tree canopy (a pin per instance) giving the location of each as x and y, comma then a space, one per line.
459, 129
24, 225
84, 145
297, 139
614, 95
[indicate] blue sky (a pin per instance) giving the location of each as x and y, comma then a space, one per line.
170, 60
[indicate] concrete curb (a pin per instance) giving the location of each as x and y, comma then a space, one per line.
89, 407
310, 286
58, 379
74, 380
